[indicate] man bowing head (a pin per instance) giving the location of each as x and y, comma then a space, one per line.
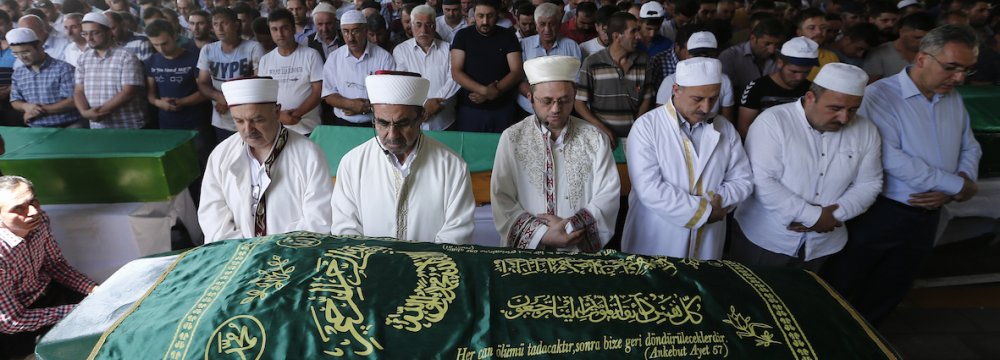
266, 179
400, 183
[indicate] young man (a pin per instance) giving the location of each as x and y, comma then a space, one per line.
299, 72
43, 88
798, 57
108, 80
200, 25
229, 58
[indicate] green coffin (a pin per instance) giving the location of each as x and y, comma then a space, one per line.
74, 166
312, 296
983, 105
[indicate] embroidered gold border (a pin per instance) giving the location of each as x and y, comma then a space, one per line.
857, 317
774, 303
104, 336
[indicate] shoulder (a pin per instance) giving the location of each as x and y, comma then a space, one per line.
437, 152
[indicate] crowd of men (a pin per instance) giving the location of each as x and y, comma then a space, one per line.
822, 136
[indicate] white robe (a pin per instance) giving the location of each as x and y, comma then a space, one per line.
297, 191
433, 203
584, 183
672, 185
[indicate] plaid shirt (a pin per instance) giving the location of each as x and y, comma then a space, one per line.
103, 77
51, 84
139, 46
662, 65
27, 266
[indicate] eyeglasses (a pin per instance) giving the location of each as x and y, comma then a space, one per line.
21, 53
353, 32
549, 101
88, 33
969, 71
399, 125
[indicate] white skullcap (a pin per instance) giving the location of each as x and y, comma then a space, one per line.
842, 78
96, 18
702, 40
324, 8
551, 68
699, 71
21, 36
651, 10
250, 91
801, 51
57, 2
905, 3
352, 17
397, 88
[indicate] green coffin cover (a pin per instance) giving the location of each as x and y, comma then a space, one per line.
312, 296
983, 105
74, 166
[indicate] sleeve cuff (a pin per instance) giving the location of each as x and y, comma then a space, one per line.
810, 215
952, 184
536, 239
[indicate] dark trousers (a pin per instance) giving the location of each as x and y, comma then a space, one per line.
745, 251
222, 134
885, 249
341, 122
23, 344
484, 120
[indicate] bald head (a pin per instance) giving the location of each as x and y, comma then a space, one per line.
36, 24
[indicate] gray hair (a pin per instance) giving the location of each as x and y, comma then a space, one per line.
817, 90
11, 182
547, 10
934, 41
423, 10
74, 16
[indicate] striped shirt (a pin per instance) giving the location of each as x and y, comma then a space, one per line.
27, 266
51, 84
103, 77
613, 94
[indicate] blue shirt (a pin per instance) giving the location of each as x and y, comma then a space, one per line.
531, 48
657, 45
925, 143
7, 60
51, 84
177, 78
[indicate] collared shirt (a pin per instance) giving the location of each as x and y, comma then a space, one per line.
614, 95
692, 131
403, 167
447, 32
925, 143
345, 74
663, 65
434, 65
55, 44
327, 47
28, 265
798, 170
72, 53
104, 77
738, 62
139, 46
52, 83
531, 47
308, 30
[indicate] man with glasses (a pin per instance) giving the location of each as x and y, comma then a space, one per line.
345, 70
43, 88
555, 184
400, 183
930, 158
109, 79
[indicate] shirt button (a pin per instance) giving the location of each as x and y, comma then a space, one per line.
823, 154
817, 194
820, 174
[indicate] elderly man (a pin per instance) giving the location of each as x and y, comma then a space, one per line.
73, 24
299, 70
430, 57
53, 42
400, 183
688, 170
39, 287
267, 180
229, 58
815, 166
547, 42
109, 80
930, 159
327, 38
344, 72
798, 57
43, 88
573, 205
698, 44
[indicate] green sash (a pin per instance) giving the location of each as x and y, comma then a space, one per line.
311, 296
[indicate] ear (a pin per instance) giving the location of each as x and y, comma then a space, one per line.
277, 109
676, 88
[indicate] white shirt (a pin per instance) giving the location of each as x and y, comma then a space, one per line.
434, 65
55, 44
726, 98
345, 74
585, 185
797, 170
296, 74
447, 32
591, 47
72, 53
433, 203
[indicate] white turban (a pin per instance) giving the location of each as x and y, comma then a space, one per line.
96, 18
551, 68
250, 91
352, 17
397, 88
21, 36
699, 71
842, 78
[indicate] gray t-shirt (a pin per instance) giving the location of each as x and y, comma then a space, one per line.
242, 62
884, 60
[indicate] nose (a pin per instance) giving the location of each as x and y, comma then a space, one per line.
960, 76
32, 210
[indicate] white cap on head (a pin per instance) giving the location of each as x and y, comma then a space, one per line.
699, 71
21, 36
250, 91
801, 51
324, 8
702, 40
842, 78
551, 68
905, 3
96, 18
352, 17
57, 2
397, 88
651, 10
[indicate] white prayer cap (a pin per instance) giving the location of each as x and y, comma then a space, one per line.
702, 41
21, 36
552, 68
698, 71
651, 10
250, 91
842, 78
96, 18
801, 51
57, 2
352, 17
397, 88
324, 8
905, 3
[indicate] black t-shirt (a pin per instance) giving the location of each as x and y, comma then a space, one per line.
486, 61
763, 93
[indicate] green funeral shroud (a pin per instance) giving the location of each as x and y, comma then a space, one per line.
311, 296
74, 166
983, 106
478, 149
